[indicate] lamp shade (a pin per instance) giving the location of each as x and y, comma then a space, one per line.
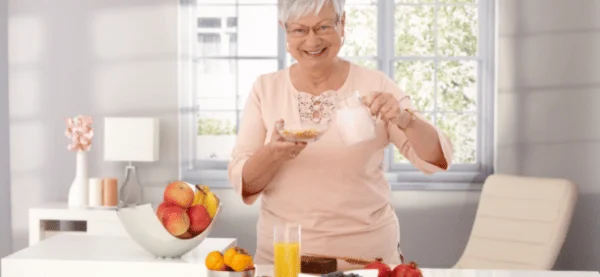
131, 139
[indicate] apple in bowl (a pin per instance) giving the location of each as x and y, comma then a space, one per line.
180, 223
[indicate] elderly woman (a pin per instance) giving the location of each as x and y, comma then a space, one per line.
338, 193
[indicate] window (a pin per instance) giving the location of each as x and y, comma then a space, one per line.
441, 53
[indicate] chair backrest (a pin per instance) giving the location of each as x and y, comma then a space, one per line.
521, 223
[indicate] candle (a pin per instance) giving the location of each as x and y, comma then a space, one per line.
95, 192
109, 192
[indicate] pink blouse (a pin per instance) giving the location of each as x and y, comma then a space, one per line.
337, 193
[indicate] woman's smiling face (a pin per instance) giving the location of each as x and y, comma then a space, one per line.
315, 40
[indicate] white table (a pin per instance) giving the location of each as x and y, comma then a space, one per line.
266, 270
76, 255
73, 255
44, 221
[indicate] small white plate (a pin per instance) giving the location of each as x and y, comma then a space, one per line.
359, 272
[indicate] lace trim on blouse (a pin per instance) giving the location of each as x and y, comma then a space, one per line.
316, 109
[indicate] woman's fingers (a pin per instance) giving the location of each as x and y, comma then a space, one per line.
280, 145
275, 135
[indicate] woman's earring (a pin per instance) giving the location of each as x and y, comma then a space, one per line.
343, 39
287, 46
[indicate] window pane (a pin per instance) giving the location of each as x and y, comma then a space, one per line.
457, 1
209, 22
414, 30
416, 79
233, 43
216, 81
231, 22
223, 85
462, 131
249, 70
457, 34
399, 158
361, 31
209, 44
216, 135
414, 1
214, 37
257, 31
457, 86
241, 32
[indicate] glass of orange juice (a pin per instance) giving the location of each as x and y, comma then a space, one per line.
287, 250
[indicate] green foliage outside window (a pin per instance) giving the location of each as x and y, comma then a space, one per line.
445, 91
215, 127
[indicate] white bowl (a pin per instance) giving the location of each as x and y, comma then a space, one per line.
305, 132
247, 273
145, 228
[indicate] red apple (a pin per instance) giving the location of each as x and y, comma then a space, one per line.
175, 220
384, 269
407, 270
179, 194
199, 219
161, 209
186, 235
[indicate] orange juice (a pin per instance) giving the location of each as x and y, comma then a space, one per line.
287, 259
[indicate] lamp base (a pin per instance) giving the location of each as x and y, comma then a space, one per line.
131, 192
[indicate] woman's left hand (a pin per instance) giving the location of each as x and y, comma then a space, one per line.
384, 105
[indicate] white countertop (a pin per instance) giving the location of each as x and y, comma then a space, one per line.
86, 255
61, 211
75, 255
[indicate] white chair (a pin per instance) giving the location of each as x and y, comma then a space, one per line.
521, 223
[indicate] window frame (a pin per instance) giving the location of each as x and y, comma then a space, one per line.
400, 176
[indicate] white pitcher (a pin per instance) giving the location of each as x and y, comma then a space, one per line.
354, 120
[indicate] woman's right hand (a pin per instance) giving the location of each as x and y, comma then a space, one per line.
283, 149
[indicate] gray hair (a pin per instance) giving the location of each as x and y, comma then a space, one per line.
293, 9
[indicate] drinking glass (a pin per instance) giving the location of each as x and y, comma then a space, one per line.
287, 249
354, 120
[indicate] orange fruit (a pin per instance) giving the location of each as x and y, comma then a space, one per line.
228, 255
214, 261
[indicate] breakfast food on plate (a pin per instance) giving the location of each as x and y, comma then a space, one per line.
317, 265
402, 270
301, 135
407, 270
340, 274
233, 259
185, 213
384, 269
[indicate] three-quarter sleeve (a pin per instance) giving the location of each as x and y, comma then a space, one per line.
251, 137
399, 139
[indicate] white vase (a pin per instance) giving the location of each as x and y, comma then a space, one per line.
78, 193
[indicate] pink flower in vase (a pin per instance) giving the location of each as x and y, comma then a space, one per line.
79, 130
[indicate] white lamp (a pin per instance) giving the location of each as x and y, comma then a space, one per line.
131, 139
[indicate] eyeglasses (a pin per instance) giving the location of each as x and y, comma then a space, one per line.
297, 30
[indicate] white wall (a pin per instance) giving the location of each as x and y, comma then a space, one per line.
102, 58
5, 228
548, 107
118, 57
